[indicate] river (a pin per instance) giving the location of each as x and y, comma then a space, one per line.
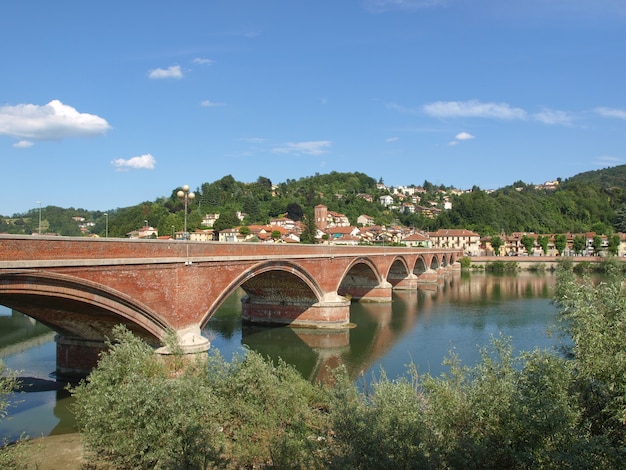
462, 313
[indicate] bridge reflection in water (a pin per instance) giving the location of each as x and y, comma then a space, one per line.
420, 326
461, 312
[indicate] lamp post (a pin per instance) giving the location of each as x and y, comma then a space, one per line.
106, 225
186, 196
39, 202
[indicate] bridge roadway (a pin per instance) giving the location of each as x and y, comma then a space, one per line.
82, 287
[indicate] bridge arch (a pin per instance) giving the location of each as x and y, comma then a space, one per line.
75, 307
362, 280
399, 271
276, 292
421, 266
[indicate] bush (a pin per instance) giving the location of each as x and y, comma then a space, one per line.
501, 266
136, 411
12, 455
465, 262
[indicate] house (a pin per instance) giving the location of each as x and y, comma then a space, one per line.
417, 240
365, 220
144, 232
408, 207
461, 239
344, 235
209, 219
202, 235
386, 200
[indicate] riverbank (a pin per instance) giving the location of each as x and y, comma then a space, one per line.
530, 262
60, 452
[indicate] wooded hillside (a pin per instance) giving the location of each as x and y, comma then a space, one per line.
591, 201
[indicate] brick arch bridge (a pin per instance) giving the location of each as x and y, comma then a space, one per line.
82, 287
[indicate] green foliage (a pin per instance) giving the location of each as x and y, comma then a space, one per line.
139, 411
543, 241
501, 266
578, 244
533, 410
505, 412
466, 262
585, 202
496, 244
560, 243
528, 243
12, 455
594, 316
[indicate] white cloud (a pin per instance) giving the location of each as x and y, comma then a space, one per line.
52, 121
23, 144
553, 116
381, 6
171, 72
392, 139
461, 136
202, 61
464, 136
473, 108
146, 162
611, 113
211, 104
317, 147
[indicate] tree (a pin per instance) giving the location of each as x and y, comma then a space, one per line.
578, 244
294, 211
309, 230
496, 244
596, 244
614, 243
227, 219
529, 243
543, 241
560, 243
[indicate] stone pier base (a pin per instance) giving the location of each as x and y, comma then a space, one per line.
77, 357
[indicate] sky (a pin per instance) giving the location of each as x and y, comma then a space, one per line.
109, 104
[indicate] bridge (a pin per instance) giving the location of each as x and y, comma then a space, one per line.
83, 287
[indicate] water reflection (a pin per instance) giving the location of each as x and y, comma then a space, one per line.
460, 312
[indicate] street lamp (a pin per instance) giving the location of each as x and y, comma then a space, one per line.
106, 225
186, 196
39, 202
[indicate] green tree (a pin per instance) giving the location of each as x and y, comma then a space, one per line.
309, 230
496, 244
528, 242
560, 243
543, 241
227, 220
578, 244
596, 244
614, 243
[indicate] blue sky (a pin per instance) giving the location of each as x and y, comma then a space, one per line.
108, 104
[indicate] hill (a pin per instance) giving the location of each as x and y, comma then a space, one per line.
590, 201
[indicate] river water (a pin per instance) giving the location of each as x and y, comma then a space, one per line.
460, 313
